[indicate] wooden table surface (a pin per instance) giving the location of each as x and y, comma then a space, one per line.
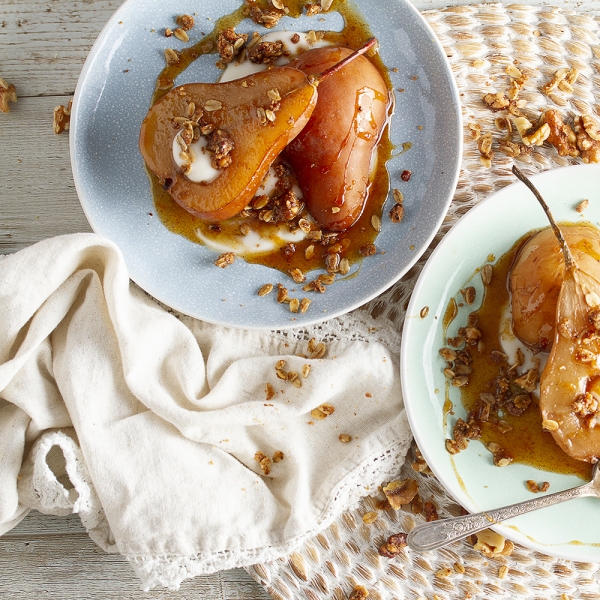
43, 45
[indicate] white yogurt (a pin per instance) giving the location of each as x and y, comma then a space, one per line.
510, 343
253, 243
202, 169
235, 71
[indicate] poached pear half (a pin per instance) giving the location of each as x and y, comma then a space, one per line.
256, 140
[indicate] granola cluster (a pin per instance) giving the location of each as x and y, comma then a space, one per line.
194, 125
585, 406
229, 45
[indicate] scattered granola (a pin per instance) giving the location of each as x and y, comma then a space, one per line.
369, 517
267, 18
397, 213
484, 144
282, 293
220, 146
181, 35
490, 543
586, 131
8, 93
345, 438
264, 462
563, 79
304, 304
278, 456
469, 294
400, 492
394, 545
225, 259
186, 22
358, 593
322, 412
486, 274
562, 136
312, 9
582, 206
269, 391
368, 250
265, 289
62, 117
172, 56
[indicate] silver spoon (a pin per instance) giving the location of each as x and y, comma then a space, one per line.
435, 534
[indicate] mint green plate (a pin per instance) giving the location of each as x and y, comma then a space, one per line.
570, 530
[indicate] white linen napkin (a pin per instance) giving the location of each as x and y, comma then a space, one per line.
159, 418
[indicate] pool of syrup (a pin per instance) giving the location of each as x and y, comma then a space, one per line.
527, 443
354, 34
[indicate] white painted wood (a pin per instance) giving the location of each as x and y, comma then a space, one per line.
43, 45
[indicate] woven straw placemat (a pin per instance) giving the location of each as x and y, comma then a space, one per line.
480, 41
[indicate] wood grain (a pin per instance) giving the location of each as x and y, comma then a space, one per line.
43, 45
53, 558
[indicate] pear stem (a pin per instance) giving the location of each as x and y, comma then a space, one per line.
569, 260
316, 79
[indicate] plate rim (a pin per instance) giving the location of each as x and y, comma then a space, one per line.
561, 549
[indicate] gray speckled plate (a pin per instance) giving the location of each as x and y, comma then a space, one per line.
113, 95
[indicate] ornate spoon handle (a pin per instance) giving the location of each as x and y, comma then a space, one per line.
434, 534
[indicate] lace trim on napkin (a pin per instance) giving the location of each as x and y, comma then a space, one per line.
170, 570
40, 489
358, 326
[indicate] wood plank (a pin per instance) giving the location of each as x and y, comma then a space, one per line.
37, 195
53, 558
43, 44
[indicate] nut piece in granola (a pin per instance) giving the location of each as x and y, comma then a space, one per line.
225, 259
394, 545
186, 22
586, 131
267, 18
322, 412
229, 44
358, 593
264, 462
220, 146
62, 117
400, 492
562, 136
8, 93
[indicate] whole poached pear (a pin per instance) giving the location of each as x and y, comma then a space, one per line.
570, 382
261, 114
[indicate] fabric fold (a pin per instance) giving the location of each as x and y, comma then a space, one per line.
169, 415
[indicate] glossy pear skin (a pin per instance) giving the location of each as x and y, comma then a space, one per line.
568, 374
333, 154
536, 279
255, 145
